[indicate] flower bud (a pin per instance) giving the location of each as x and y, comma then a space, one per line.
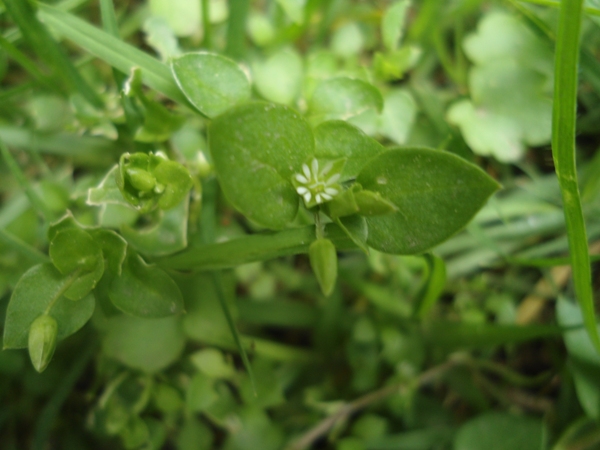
371, 203
42, 341
141, 179
323, 260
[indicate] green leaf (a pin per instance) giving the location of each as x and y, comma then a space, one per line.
112, 50
343, 98
392, 24
38, 291
279, 77
436, 193
74, 249
114, 248
500, 431
256, 148
145, 344
177, 182
182, 16
564, 155
510, 106
145, 291
85, 282
211, 82
337, 139
294, 9
356, 229
167, 235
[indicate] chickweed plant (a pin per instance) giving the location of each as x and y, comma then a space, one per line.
295, 224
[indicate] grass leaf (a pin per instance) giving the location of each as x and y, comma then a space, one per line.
113, 51
563, 152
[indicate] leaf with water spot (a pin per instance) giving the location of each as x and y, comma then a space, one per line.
436, 193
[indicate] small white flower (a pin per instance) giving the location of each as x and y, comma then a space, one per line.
317, 186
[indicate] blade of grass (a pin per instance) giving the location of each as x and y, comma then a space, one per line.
209, 219
563, 152
113, 51
590, 10
26, 63
216, 279
14, 168
48, 50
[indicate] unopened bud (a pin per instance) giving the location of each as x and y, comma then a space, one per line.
42, 341
323, 260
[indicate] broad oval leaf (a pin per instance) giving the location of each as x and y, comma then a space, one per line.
145, 291
149, 345
212, 83
38, 288
436, 193
342, 98
256, 149
74, 249
337, 139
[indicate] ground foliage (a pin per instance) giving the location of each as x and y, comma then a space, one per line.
293, 224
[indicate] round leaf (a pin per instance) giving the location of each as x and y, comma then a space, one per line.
436, 193
36, 290
338, 139
256, 149
342, 98
149, 345
145, 291
74, 249
212, 83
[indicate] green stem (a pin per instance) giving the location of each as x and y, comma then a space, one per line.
257, 247
563, 152
205, 4
236, 29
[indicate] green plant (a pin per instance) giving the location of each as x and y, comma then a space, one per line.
167, 202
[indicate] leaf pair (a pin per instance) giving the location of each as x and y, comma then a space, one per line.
258, 147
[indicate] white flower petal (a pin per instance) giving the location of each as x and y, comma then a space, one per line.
301, 178
326, 196
315, 168
307, 197
333, 179
306, 171
301, 190
331, 191
318, 198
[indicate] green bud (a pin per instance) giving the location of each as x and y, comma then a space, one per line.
323, 260
371, 203
42, 341
141, 179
